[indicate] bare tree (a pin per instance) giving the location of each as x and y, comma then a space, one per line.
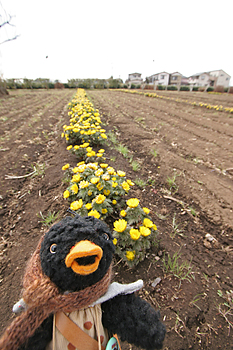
5, 20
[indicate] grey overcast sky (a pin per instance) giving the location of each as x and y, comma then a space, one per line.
100, 38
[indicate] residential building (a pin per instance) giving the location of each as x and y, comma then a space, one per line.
212, 78
220, 78
134, 78
159, 79
175, 79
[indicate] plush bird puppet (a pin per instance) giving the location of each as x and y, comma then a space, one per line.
68, 301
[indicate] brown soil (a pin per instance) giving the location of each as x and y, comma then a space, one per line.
193, 146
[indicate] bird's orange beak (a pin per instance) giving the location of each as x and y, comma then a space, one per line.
84, 257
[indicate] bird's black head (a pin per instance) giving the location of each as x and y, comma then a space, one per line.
77, 252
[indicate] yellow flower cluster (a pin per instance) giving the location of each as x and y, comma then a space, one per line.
99, 186
85, 122
200, 104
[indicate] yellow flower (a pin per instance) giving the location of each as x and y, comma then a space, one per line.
81, 168
95, 180
130, 255
76, 178
89, 193
125, 186
106, 192
120, 225
114, 202
123, 213
94, 213
103, 165
134, 234
99, 172
130, 182
65, 166
147, 223
106, 177
99, 155
145, 231
100, 199
114, 178
110, 170
88, 206
146, 210
120, 173
76, 147
101, 150
83, 184
76, 205
69, 147
66, 194
114, 184
154, 227
80, 163
103, 136
132, 202
114, 241
104, 211
74, 188
99, 186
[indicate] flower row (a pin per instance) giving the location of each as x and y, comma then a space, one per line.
97, 189
200, 104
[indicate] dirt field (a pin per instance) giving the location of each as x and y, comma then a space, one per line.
184, 175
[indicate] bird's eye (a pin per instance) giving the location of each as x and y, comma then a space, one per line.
53, 248
106, 236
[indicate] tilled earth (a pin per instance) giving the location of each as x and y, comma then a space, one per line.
191, 146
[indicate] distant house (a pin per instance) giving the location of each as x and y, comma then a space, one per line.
159, 79
220, 78
134, 78
175, 79
212, 78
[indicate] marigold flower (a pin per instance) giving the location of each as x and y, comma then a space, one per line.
83, 184
130, 182
76, 147
99, 172
94, 180
99, 186
66, 194
106, 192
74, 188
88, 206
101, 150
80, 163
103, 165
106, 177
125, 186
76, 205
120, 225
145, 231
146, 210
110, 170
114, 241
154, 227
76, 178
130, 255
147, 223
89, 193
114, 202
120, 173
114, 184
100, 199
132, 202
69, 147
134, 234
94, 213
66, 166
104, 211
123, 213
103, 136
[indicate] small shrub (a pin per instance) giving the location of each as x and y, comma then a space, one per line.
160, 87
132, 86
184, 88
195, 88
210, 89
125, 86
172, 87
138, 86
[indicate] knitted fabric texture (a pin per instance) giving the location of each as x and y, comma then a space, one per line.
43, 298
